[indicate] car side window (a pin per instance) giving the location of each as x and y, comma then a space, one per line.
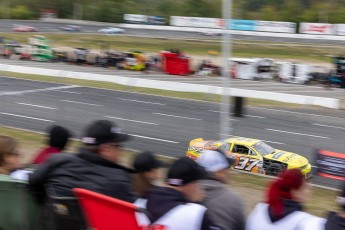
241, 149
251, 152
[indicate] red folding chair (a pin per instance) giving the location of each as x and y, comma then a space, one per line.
107, 213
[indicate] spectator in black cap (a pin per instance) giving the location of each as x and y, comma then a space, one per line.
58, 138
94, 168
173, 205
148, 169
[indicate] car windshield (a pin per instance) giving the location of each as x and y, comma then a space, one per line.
263, 149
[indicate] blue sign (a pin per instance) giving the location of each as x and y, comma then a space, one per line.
239, 24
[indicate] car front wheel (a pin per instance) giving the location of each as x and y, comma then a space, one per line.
274, 169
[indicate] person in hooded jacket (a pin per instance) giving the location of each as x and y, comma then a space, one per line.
283, 209
58, 138
174, 206
224, 206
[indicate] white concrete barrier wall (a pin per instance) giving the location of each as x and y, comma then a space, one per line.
177, 86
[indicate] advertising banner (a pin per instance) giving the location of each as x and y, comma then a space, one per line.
316, 28
179, 21
47, 14
330, 164
135, 18
214, 23
156, 20
277, 27
339, 29
238, 24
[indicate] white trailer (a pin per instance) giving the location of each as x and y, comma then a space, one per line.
251, 68
293, 73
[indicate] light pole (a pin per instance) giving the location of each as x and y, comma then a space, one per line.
225, 122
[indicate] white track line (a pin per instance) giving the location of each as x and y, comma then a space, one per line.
301, 134
146, 102
124, 119
169, 115
38, 90
247, 115
293, 112
328, 126
39, 106
82, 103
32, 118
152, 138
274, 142
64, 91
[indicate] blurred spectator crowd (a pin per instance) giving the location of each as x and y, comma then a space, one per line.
192, 195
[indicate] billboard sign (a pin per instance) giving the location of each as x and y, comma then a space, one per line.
316, 28
330, 164
47, 14
214, 23
156, 20
136, 18
277, 27
238, 24
339, 29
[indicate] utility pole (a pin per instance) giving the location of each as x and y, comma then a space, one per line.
225, 122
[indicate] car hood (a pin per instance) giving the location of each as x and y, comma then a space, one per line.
289, 158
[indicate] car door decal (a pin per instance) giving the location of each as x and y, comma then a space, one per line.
246, 163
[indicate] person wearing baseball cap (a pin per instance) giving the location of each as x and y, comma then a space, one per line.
148, 172
174, 206
224, 206
94, 168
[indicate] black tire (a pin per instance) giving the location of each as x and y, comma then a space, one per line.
274, 169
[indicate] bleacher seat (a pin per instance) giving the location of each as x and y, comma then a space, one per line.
18, 209
107, 213
62, 213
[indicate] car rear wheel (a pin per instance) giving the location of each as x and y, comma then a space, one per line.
274, 169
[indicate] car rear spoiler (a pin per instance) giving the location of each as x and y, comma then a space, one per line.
192, 142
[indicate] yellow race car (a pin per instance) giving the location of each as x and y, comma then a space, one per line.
252, 155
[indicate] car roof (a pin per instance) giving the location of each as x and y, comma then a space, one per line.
241, 140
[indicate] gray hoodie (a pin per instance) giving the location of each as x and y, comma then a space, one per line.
224, 207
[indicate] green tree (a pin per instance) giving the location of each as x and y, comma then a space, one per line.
21, 12
269, 13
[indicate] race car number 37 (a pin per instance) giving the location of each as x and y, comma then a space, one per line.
246, 164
